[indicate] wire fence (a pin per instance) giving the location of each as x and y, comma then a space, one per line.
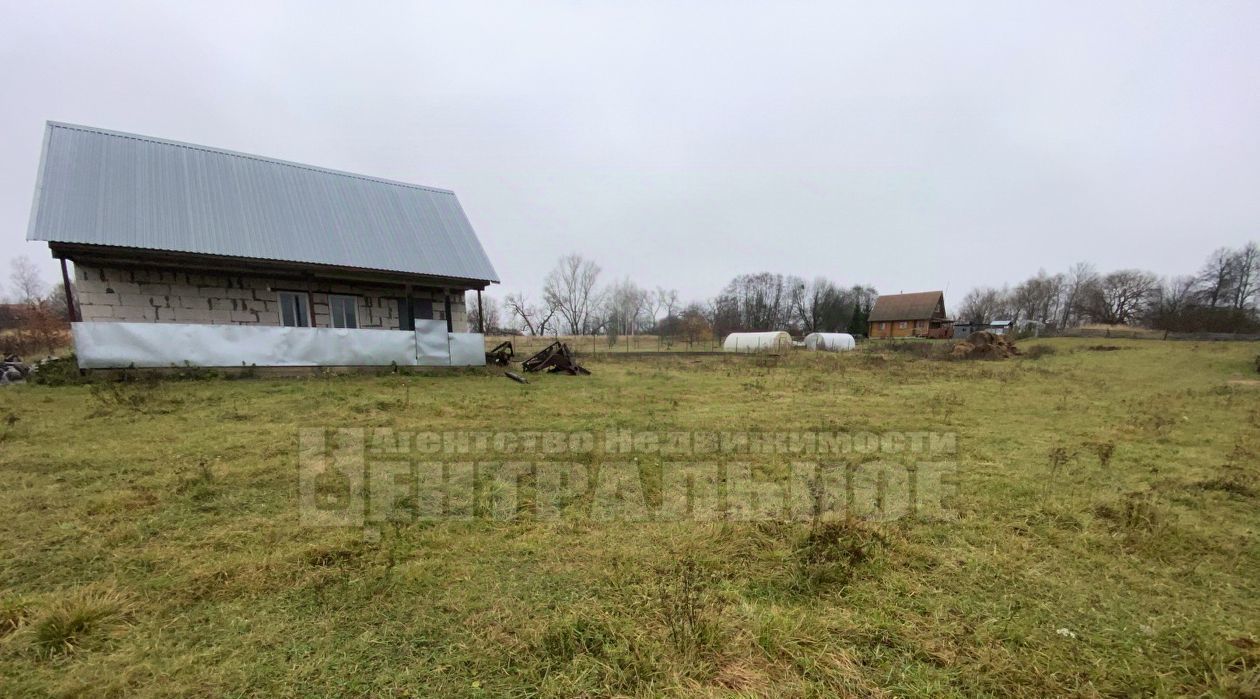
1121, 333
596, 345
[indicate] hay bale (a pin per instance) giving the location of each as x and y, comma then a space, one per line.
963, 349
982, 338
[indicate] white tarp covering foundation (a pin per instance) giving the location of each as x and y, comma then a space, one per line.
108, 345
468, 349
433, 347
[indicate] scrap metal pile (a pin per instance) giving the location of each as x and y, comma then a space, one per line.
13, 370
556, 357
501, 355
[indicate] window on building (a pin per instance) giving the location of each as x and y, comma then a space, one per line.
406, 321
409, 310
344, 311
902, 324
295, 310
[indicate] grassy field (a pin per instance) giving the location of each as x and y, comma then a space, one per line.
1102, 540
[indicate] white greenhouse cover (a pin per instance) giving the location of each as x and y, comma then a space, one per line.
777, 341
108, 345
830, 342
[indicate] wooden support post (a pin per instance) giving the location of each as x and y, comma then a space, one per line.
409, 308
481, 315
65, 280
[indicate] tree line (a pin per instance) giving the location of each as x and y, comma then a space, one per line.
575, 301
1220, 297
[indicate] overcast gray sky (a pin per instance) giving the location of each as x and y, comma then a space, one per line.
910, 146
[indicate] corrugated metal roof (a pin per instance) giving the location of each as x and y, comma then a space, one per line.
100, 187
919, 306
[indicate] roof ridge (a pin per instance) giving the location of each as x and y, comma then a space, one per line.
247, 156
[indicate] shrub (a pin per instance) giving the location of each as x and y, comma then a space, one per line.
70, 622
687, 608
62, 371
1134, 513
834, 551
1104, 450
37, 328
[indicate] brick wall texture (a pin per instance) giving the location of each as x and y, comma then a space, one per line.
161, 296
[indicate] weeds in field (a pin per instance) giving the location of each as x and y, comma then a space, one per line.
1139, 517
602, 651
1038, 351
687, 608
834, 552
74, 620
1104, 450
1058, 458
146, 396
199, 486
6, 430
15, 612
1234, 476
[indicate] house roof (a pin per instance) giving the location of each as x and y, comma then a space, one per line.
919, 306
99, 187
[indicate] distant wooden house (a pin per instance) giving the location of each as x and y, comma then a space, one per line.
910, 315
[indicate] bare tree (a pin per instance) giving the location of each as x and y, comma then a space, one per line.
984, 305
825, 307
1246, 275
570, 290
625, 307
1172, 300
1038, 298
1120, 297
1079, 278
663, 300
492, 322
536, 319
25, 281
1215, 280
762, 301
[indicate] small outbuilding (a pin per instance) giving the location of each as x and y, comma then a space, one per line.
830, 342
1001, 327
776, 341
